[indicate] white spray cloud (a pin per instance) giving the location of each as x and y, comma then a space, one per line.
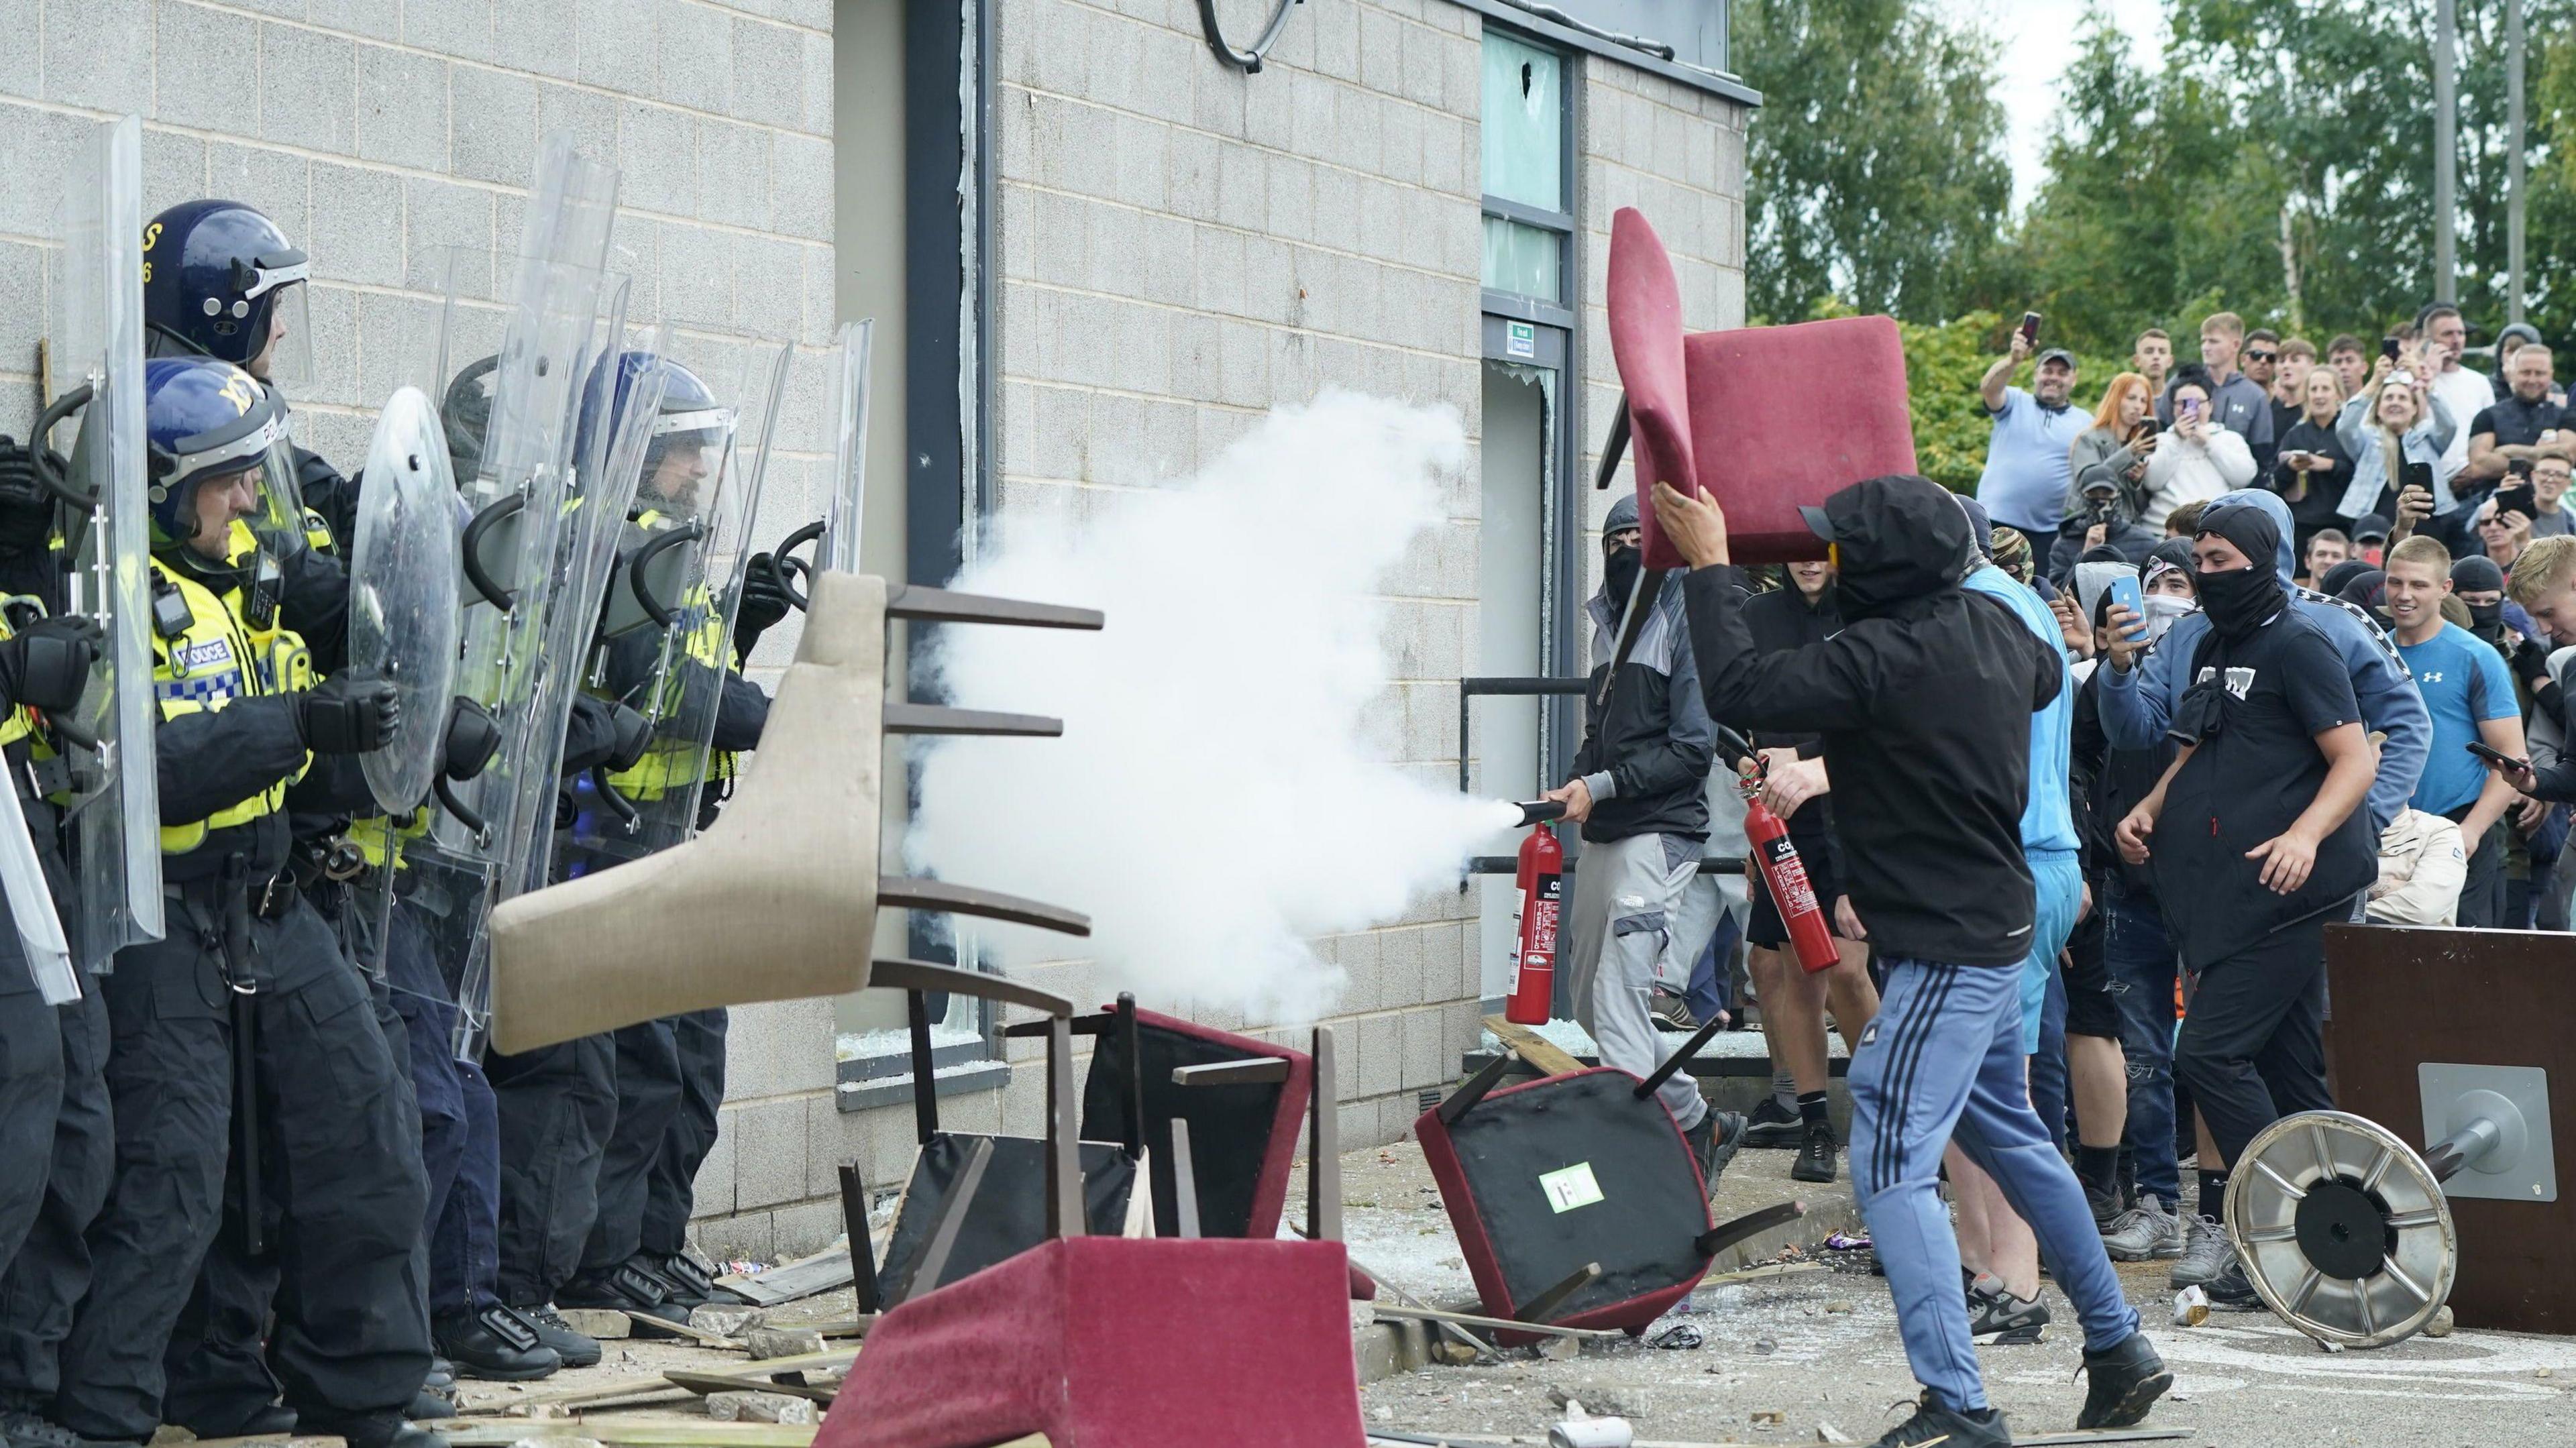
1212, 802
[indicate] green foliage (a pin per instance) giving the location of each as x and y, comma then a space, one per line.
1944, 362
1877, 162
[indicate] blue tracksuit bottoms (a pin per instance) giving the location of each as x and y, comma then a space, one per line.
1943, 1061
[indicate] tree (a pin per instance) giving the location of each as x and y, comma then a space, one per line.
1877, 162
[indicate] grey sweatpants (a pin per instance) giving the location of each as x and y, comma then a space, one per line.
1625, 893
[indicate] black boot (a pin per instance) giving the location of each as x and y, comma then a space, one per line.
578, 1350
495, 1344
371, 1430
1815, 1161
641, 1295
696, 1286
2126, 1380
25, 1429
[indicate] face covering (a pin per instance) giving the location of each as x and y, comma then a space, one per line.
1619, 569
2162, 610
2240, 599
2486, 620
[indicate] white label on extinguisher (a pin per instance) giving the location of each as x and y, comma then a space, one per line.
1551, 893
1787, 877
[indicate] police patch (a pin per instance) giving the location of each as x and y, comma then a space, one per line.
211, 654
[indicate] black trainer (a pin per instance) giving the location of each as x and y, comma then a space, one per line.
496, 1344
2106, 1208
1815, 1154
1996, 1317
1936, 1422
1773, 1124
2229, 1291
2125, 1381
1715, 1140
578, 1350
430, 1405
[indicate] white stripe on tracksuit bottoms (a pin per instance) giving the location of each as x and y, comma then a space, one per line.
1625, 892
1941, 1062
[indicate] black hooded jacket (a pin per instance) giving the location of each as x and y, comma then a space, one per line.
1924, 702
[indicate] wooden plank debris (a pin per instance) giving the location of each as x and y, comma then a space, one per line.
1534, 1048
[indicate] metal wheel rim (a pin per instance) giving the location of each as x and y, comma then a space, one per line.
2276, 1173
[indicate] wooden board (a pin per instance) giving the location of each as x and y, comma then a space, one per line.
635, 1432
1543, 1055
567, 1397
2401, 996
704, 1383
789, 1281
1469, 1319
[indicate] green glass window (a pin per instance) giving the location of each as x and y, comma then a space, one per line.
1524, 124
1522, 259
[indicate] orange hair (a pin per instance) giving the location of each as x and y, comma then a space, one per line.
2107, 416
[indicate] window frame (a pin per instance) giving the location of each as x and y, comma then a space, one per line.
1556, 312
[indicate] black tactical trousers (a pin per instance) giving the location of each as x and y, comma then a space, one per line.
343, 1200
648, 1104
169, 1079
557, 1106
670, 1193
31, 1089
44, 1282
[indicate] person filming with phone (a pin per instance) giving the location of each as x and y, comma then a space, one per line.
2027, 467
2314, 469
2108, 467
2197, 459
2392, 423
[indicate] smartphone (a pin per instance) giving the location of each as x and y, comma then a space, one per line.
2388, 348
2418, 475
2191, 407
2522, 498
2030, 329
2147, 427
2126, 594
2496, 756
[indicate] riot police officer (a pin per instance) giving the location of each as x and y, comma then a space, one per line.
56, 1143
263, 1148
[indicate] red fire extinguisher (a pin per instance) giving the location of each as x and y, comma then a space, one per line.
1536, 908
1785, 876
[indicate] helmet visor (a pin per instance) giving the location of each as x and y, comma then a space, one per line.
285, 360
685, 460
240, 496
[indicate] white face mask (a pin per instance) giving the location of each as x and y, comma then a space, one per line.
2162, 610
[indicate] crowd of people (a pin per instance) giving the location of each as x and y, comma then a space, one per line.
248, 1182
2321, 608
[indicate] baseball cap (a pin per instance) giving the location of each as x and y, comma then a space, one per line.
2371, 526
2057, 354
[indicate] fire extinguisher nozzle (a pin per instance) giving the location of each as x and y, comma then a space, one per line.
1540, 811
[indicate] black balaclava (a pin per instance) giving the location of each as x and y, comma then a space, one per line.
2332, 584
1620, 565
2239, 601
2480, 575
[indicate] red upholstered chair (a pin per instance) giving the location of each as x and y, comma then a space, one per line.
1242, 1098
1104, 1342
1575, 1198
1737, 411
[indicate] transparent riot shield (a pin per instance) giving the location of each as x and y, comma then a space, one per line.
667, 633
402, 591
512, 412
31, 907
112, 802
842, 516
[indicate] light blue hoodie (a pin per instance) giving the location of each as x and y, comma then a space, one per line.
2137, 705
2048, 820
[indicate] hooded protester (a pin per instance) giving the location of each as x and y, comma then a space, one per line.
2332, 584
1922, 695
2170, 593
2255, 842
2139, 695
1640, 793
2479, 586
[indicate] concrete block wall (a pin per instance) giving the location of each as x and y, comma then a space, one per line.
377, 132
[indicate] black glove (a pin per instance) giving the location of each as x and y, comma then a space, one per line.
764, 602
348, 714
2530, 661
634, 735
471, 740
46, 665
26, 504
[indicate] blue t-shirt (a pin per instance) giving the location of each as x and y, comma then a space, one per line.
2048, 820
2463, 680
2024, 485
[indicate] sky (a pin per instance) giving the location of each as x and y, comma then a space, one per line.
2038, 43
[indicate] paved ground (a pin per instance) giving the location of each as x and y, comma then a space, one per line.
1822, 1349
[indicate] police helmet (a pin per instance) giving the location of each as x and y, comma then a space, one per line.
214, 275
204, 419
690, 417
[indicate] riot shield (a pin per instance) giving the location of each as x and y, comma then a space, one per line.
31, 907
402, 591
842, 517
667, 631
112, 801
511, 413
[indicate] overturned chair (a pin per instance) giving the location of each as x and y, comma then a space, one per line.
1114, 1342
1576, 1200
